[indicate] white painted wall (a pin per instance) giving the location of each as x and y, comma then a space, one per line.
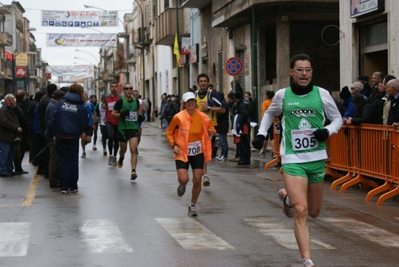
164, 62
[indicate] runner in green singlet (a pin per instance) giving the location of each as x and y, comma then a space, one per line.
303, 151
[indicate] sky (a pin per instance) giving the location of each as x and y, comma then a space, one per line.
65, 55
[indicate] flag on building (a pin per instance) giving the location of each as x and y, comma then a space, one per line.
176, 50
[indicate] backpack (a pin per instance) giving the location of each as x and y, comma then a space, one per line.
251, 109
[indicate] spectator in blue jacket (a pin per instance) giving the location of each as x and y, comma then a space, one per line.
69, 122
355, 88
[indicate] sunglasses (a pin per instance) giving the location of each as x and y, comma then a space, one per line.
128, 88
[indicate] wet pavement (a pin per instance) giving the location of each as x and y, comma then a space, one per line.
112, 221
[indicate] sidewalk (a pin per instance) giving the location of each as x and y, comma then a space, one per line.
232, 147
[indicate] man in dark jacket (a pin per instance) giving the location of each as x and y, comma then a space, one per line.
21, 146
9, 129
392, 90
45, 157
223, 128
53, 162
69, 121
33, 144
365, 112
243, 128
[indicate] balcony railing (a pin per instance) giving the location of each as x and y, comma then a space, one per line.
5, 39
165, 26
194, 3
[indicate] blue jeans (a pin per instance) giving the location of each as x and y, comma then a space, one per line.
68, 163
7, 155
223, 144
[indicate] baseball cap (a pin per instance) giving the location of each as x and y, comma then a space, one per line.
187, 96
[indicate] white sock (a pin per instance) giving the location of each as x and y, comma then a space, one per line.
287, 201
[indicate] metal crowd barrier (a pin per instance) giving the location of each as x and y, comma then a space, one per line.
365, 154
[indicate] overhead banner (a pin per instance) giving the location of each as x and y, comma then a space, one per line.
80, 39
70, 73
54, 18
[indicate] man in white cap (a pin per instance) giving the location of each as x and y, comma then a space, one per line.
354, 89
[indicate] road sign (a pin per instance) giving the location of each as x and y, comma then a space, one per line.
233, 66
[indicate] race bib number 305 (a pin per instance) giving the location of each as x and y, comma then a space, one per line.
303, 139
194, 148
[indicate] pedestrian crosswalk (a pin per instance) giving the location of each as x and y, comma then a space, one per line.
367, 231
104, 236
14, 239
191, 234
280, 233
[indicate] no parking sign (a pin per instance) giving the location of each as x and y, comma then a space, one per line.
233, 66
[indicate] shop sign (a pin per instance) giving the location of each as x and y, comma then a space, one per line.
362, 7
20, 72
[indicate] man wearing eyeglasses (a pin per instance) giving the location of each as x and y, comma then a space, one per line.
303, 151
127, 111
112, 123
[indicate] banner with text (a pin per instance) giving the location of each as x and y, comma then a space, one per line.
80, 39
55, 18
70, 73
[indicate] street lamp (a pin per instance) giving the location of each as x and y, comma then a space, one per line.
142, 44
84, 60
126, 38
78, 50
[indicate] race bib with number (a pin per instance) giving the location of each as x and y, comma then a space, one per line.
303, 139
132, 116
194, 148
111, 105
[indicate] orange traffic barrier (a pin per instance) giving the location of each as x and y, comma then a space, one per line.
276, 145
366, 154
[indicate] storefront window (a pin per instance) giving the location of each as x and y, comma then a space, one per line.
374, 34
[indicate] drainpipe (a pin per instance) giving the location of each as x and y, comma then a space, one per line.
255, 65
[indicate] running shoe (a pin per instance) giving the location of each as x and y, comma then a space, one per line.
83, 155
63, 192
115, 161
308, 263
206, 181
110, 161
218, 157
222, 158
133, 176
181, 189
288, 210
191, 211
94, 148
273, 156
120, 162
104, 152
262, 153
74, 191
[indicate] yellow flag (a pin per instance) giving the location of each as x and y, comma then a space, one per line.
176, 50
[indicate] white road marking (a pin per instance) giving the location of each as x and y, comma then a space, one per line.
14, 239
366, 231
103, 236
192, 235
283, 236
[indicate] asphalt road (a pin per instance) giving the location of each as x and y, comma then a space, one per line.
112, 221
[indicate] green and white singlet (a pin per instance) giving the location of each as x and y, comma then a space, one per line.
302, 115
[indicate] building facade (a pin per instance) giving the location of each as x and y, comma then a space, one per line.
369, 43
